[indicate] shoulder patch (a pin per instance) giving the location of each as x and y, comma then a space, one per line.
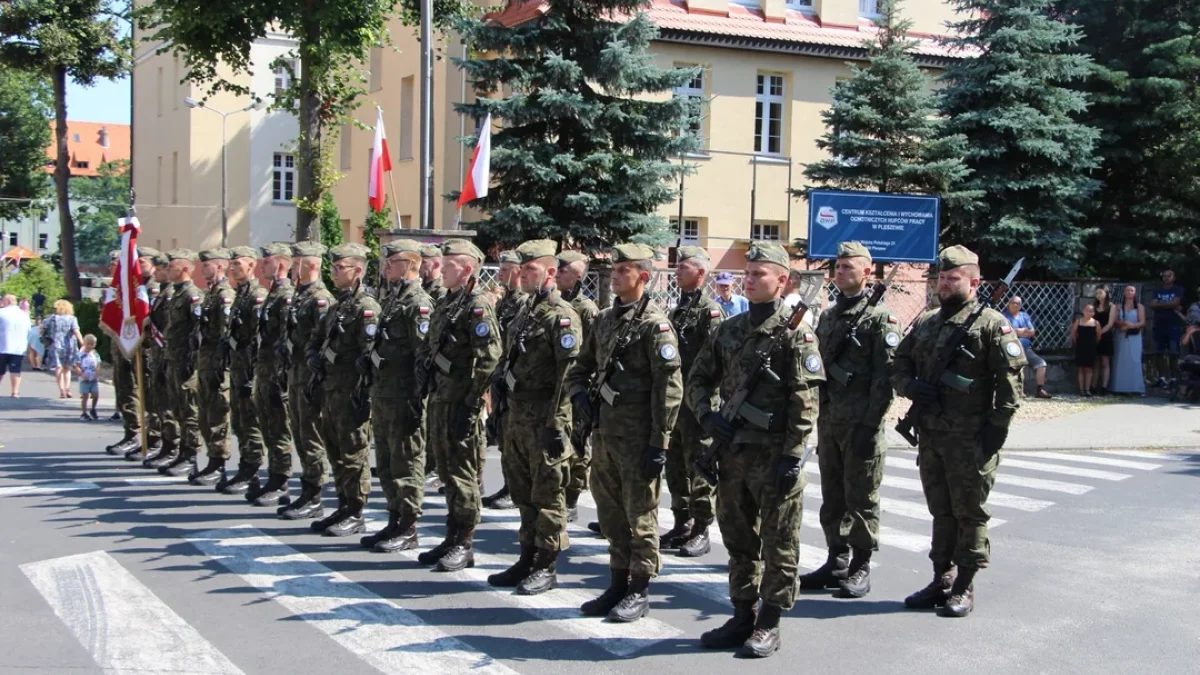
478, 311
892, 339
1005, 329
227, 300
195, 299
812, 363
1013, 349
259, 300
371, 328
424, 310
367, 313
481, 328
423, 327
664, 327
322, 303
564, 322
808, 337
287, 301
892, 319
714, 313
668, 352
567, 341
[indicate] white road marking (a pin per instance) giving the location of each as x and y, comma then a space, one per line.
1078, 472
1089, 459
1143, 454
1000, 499
156, 480
47, 488
374, 629
124, 626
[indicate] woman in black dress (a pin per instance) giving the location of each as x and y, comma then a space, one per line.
1105, 315
1086, 335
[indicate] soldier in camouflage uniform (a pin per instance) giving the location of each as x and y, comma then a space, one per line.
572, 269
159, 415
431, 273
760, 492
695, 317
540, 348
309, 305
636, 410
857, 343
397, 409
146, 266
124, 381
506, 310
270, 380
458, 359
182, 338
248, 301
341, 349
962, 424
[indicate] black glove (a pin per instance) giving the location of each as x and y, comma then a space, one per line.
583, 408
921, 391
787, 474
314, 362
993, 438
553, 441
247, 389
421, 378
464, 418
362, 406
653, 461
416, 408
862, 439
719, 428
363, 364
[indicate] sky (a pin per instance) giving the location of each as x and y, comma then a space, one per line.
105, 102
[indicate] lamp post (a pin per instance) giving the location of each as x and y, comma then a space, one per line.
258, 104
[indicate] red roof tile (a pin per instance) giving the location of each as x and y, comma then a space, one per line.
84, 143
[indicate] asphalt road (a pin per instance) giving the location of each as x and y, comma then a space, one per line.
109, 568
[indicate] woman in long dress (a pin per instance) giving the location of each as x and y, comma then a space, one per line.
1127, 360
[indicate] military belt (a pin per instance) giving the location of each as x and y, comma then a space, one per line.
956, 382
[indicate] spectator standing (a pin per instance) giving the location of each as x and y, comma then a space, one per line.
36, 347
1106, 316
791, 297
1085, 334
1023, 326
25, 305
1168, 326
87, 367
39, 305
63, 331
731, 302
14, 341
1127, 359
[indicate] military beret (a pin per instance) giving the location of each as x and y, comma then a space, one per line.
632, 253
409, 248
431, 251
853, 249
214, 254
689, 252
161, 260
309, 249
768, 253
181, 254
348, 251
536, 248
567, 257
147, 252
114, 255
243, 252
277, 249
956, 256
462, 247
511, 256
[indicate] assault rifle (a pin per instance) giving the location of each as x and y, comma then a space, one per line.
953, 347
851, 336
453, 314
600, 389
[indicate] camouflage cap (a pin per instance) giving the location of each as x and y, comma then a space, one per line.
632, 253
243, 252
768, 253
147, 252
161, 260
411, 250
182, 254
853, 249
309, 249
956, 256
114, 255
536, 248
566, 257
214, 254
279, 249
462, 247
348, 251
689, 252
511, 256
431, 251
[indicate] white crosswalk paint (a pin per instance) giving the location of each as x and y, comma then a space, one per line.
125, 627
47, 488
899, 507
1000, 499
1143, 454
1075, 471
1089, 459
888, 536
376, 630
1003, 478
156, 480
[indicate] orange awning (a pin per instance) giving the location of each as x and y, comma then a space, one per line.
20, 253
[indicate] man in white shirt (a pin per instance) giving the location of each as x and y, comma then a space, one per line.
791, 297
14, 341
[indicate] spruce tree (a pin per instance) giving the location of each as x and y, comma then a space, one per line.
1029, 155
585, 140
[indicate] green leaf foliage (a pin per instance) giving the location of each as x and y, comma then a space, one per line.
26, 108
84, 36
331, 231
35, 274
103, 202
376, 223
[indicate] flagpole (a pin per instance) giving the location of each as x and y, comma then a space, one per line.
141, 378
395, 199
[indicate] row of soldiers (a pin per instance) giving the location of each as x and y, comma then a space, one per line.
581, 398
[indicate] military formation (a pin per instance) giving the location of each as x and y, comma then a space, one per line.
429, 367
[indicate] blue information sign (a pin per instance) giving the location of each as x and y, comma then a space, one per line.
895, 228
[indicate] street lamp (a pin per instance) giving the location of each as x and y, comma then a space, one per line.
258, 104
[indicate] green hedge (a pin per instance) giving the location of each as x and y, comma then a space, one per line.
88, 314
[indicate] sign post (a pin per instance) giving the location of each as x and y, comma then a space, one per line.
894, 228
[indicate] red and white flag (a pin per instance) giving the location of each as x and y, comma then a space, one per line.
381, 163
127, 304
476, 184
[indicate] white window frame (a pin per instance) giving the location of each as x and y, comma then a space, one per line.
764, 98
868, 8
800, 5
12, 239
283, 78
753, 4
689, 224
759, 232
283, 178
43, 240
699, 94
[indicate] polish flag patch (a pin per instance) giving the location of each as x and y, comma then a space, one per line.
1005, 330
714, 313
478, 311
808, 337
259, 301
892, 319
227, 301
287, 301
195, 299
664, 327
321, 303
367, 314
563, 323
424, 310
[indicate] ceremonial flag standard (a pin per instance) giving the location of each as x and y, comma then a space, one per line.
476, 185
126, 303
381, 163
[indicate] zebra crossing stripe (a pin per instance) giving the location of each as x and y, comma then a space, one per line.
1003, 478
125, 627
1079, 472
1143, 454
1001, 499
897, 507
376, 630
1089, 459
47, 488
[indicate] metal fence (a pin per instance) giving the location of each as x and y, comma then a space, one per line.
490, 272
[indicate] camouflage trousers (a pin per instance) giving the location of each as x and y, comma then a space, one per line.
761, 527
399, 455
271, 402
347, 445
244, 414
457, 462
850, 479
536, 482
957, 477
125, 382
214, 407
627, 502
182, 397
578, 467
689, 490
160, 418
306, 429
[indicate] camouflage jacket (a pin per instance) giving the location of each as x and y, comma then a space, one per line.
248, 302
273, 323
541, 346
214, 318
403, 326
347, 333
587, 311
155, 325
435, 290
695, 317
468, 347
309, 306
649, 388
975, 390
183, 321
857, 389
507, 307
792, 401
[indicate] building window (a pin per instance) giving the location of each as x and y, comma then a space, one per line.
406, 117
43, 240
283, 180
283, 77
695, 95
765, 232
747, 3
690, 234
175, 177
768, 115
75, 137
406, 222
868, 8
376, 68
12, 238
802, 5
81, 165
347, 146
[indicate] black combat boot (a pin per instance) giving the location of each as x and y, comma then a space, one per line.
275, 492
182, 465
403, 538
697, 543
385, 532
604, 604
544, 576
308, 505
829, 574
858, 576
736, 630
501, 500
121, 446
245, 480
251, 490
435, 554
134, 454
677, 535
210, 475
514, 575
572, 507
351, 522
594, 526
461, 555
764, 641
338, 514
159, 454
961, 599
636, 602
934, 595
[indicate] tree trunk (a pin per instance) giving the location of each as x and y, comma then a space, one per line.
309, 163
62, 176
